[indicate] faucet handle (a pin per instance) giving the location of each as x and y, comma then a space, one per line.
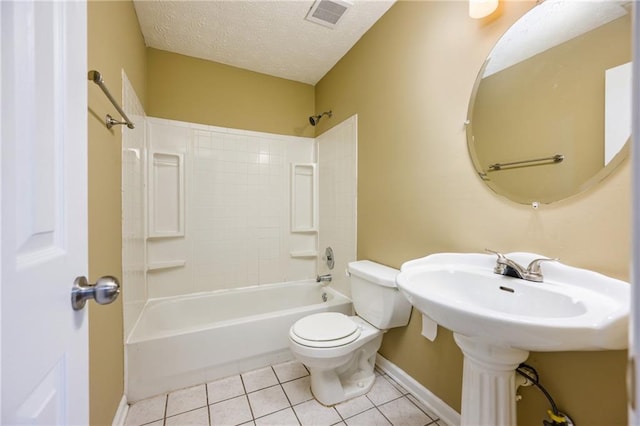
534, 266
497, 253
501, 263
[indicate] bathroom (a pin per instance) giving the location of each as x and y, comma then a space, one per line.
408, 79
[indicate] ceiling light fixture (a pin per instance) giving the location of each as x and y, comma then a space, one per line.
482, 8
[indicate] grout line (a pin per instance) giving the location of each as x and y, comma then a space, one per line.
286, 396
184, 412
339, 415
295, 413
366, 395
164, 415
420, 408
409, 399
282, 409
396, 385
337, 412
244, 388
206, 394
275, 374
246, 395
379, 411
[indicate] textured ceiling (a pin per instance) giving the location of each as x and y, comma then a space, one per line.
270, 37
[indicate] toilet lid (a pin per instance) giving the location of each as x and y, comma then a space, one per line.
326, 329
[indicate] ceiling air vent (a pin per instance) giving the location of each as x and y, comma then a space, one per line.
328, 12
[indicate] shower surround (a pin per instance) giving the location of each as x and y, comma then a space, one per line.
227, 211
208, 208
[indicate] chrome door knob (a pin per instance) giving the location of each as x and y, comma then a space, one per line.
104, 291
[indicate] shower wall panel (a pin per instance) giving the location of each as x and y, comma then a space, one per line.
338, 183
237, 204
134, 288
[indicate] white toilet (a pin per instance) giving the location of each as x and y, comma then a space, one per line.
339, 350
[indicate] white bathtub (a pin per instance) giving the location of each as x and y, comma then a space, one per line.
188, 340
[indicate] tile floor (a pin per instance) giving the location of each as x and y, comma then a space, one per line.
279, 395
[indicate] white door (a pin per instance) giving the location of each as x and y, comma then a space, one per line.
633, 374
43, 199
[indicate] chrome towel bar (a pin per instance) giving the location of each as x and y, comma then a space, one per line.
558, 158
96, 77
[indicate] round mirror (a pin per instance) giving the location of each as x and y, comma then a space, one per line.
550, 113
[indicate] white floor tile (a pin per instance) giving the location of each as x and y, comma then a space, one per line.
298, 390
396, 385
312, 413
267, 401
186, 400
290, 371
404, 412
382, 391
354, 406
230, 412
259, 379
370, 417
198, 417
281, 418
224, 389
423, 407
146, 411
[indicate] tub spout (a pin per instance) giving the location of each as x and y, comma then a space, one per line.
323, 278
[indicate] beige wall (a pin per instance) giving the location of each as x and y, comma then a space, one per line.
115, 42
198, 91
409, 80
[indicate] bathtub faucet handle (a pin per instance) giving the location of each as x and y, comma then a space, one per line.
326, 278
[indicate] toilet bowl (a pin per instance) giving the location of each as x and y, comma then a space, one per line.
341, 366
340, 350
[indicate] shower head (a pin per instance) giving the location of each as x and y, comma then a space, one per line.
315, 119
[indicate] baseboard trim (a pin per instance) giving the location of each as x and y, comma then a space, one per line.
121, 413
422, 394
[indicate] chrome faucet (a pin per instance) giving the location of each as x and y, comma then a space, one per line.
323, 278
508, 267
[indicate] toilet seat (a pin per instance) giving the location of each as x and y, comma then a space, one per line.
325, 330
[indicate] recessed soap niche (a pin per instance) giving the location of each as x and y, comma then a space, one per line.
304, 190
166, 195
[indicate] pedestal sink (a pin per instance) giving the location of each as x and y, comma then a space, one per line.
498, 319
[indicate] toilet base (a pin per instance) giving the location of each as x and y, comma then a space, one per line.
351, 380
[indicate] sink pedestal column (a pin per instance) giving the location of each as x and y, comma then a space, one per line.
488, 382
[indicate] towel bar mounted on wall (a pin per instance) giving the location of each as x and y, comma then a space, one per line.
96, 77
558, 158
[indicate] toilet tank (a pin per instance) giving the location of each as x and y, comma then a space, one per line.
376, 297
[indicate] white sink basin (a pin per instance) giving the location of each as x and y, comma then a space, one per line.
573, 309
